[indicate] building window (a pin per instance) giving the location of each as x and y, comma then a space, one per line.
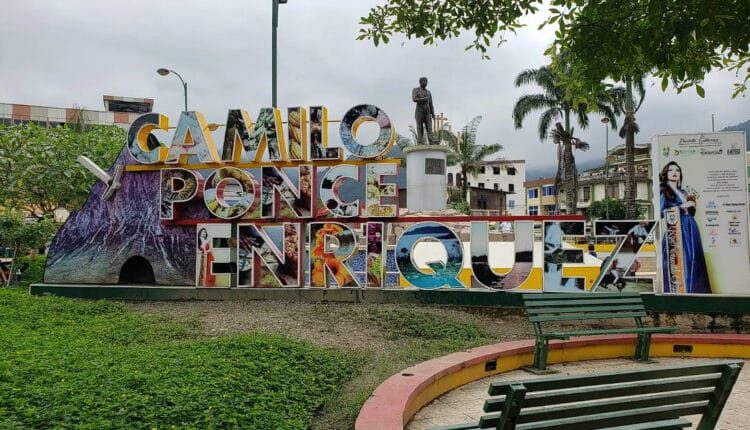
496, 186
459, 179
533, 193
533, 210
511, 188
496, 170
482, 201
481, 169
450, 179
613, 191
586, 194
551, 209
511, 204
481, 185
548, 190
511, 170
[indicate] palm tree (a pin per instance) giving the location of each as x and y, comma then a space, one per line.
467, 154
555, 106
629, 103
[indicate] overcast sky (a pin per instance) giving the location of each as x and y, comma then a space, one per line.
66, 53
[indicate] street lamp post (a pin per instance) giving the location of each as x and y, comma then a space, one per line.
605, 120
274, 25
164, 72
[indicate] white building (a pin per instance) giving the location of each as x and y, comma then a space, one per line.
507, 176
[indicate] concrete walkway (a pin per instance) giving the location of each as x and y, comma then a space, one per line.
464, 404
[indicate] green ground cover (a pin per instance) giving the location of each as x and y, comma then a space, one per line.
95, 365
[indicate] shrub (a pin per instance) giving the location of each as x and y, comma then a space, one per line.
34, 273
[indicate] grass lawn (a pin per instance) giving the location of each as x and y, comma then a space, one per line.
95, 365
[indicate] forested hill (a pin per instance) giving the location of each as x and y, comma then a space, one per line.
743, 126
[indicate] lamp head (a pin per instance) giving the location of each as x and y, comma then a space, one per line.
162, 71
605, 120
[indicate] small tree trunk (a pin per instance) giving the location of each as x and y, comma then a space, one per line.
558, 177
630, 184
569, 179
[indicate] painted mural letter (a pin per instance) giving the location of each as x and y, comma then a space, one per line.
259, 248
442, 254
230, 192
215, 260
331, 244
177, 186
523, 256
329, 192
358, 115
144, 146
319, 136
377, 190
375, 255
555, 255
237, 144
191, 140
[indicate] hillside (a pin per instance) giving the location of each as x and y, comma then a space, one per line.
743, 126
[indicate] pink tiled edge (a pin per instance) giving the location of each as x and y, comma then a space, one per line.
388, 405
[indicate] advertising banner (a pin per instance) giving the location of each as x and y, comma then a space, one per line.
700, 190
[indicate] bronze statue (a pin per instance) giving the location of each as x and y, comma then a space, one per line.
424, 112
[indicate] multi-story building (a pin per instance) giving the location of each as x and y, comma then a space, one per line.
598, 184
595, 185
541, 197
504, 177
120, 111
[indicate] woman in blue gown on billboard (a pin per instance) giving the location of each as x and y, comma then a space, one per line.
673, 195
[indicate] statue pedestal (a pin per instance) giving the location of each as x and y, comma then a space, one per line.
426, 188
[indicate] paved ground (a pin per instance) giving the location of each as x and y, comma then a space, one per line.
464, 404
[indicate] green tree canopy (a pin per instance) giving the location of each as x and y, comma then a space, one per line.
610, 209
554, 106
38, 167
678, 40
467, 154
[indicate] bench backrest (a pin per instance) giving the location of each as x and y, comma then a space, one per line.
556, 307
612, 399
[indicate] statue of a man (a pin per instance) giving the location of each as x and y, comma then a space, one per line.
424, 112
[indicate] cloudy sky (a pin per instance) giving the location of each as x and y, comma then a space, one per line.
70, 53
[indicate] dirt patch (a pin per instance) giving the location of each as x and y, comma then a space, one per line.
333, 325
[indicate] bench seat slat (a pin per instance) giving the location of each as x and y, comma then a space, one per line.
582, 302
590, 316
632, 330
577, 295
464, 426
617, 418
591, 308
562, 382
594, 404
693, 389
676, 424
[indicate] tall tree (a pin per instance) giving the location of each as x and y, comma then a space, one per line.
677, 40
628, 102
38, 167
467, 154
555, 106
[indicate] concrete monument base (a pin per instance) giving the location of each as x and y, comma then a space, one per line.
425, 177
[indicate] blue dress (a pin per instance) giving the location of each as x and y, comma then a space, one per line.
694, 267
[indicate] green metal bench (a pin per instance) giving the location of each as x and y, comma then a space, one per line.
655, 398
564, 307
